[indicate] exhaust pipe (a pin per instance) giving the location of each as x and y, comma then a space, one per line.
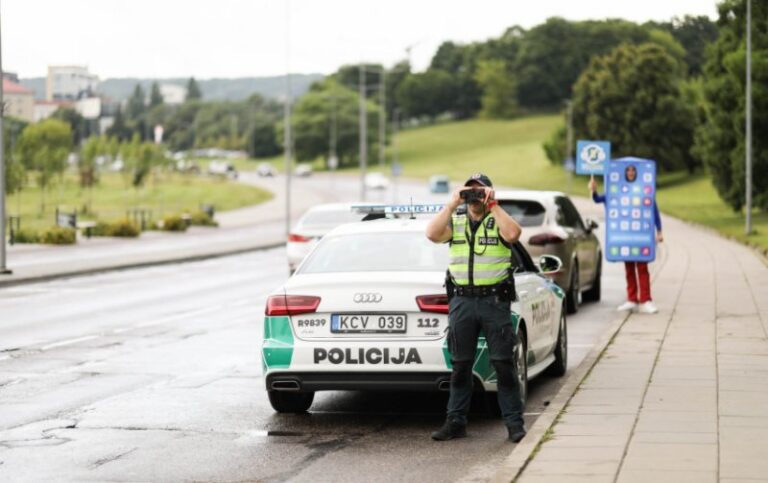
444, 385
285, 385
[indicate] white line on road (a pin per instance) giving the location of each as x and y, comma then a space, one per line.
68, 342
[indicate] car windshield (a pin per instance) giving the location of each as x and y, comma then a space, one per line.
525, 212
377, 252
327, 220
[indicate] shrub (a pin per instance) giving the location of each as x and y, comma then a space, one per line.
25, 235
58, 236
120, 228
201, 218
174, 223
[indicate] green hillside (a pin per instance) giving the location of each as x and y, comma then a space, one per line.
510, 153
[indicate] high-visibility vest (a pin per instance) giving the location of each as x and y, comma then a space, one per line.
480, 258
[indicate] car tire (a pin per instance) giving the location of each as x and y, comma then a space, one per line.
594, 293
558, 368
574, 291
290, 402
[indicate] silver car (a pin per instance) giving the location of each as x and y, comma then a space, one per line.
552, 225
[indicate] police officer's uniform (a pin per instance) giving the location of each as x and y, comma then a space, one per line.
480, 269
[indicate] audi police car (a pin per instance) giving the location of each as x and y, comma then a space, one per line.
367, 310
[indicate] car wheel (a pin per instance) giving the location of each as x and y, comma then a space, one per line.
560, 365
290, 402
573, 298
521, 366
594, 293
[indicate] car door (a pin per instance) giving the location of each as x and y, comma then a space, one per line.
583, 243
532, 295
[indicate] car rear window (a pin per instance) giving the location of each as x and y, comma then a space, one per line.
525, 212
377, 252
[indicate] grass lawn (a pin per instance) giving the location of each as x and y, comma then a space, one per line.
169, 194
510, 153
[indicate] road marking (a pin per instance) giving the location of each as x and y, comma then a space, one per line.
2, 358
68, 342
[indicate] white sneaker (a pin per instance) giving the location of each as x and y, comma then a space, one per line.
648, 308
628, 305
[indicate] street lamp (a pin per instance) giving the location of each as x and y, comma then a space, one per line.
287, 135
748, 160
3, 268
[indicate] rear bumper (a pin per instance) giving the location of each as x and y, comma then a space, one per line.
358, 381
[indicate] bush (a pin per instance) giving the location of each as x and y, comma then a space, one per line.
174, 223
25, 235
201, 218
58, 236
121, 228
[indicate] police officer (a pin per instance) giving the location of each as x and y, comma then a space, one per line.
480, 269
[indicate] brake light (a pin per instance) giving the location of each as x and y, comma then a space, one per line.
545, 239
293, 237
291, 304
433, 303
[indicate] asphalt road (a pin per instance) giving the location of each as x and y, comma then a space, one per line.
154, 375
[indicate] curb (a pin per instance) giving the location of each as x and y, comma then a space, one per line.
22, 280
525, 451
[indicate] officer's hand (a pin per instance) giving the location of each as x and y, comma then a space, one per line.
489, 194
455, 199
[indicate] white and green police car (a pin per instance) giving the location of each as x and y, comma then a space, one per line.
367, 310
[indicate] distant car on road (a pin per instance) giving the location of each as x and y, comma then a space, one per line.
552, 225
367, 310
303, 170
222, 168
376, 181
265, 170
313, 225
439, 183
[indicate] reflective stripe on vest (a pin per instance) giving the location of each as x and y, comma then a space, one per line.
487, 255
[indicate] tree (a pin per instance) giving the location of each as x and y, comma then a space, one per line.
44, 147
694, 34
720, 139
155, 97
427, 94
632, 97
136, 106
262, 140
15, 174
193, 91
81, 127
499, 90
313, 118
93, 147
119, 128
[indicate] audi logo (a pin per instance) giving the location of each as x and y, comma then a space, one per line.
367, 298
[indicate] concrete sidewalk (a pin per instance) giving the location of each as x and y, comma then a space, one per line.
677, 396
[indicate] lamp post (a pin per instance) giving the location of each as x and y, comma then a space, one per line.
748, 141
3, 268
287, 134
363, 133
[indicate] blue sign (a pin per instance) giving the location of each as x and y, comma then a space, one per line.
591, 156
630, 228
397, 169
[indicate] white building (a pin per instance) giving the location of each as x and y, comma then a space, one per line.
173, 94
19, 101
70, 82
45, 109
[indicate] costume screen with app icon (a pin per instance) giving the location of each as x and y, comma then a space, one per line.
630, 188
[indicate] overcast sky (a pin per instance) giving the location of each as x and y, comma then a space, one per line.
234, 38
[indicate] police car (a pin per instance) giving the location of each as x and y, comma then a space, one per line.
367, 310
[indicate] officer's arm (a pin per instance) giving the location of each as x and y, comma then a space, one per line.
439, 228
508, 228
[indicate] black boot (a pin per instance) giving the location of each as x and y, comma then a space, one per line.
516, 432
451, 429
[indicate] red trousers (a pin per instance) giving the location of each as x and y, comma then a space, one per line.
638, 271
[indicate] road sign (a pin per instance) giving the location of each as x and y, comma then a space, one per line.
591, 156
630, 198
397, 169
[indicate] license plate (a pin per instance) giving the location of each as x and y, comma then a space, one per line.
368, 323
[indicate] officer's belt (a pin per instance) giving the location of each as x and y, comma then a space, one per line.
477, 290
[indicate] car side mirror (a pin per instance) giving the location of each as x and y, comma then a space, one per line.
591, 224
549, 264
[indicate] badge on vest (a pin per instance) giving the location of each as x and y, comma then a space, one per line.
490, 223
488, 240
